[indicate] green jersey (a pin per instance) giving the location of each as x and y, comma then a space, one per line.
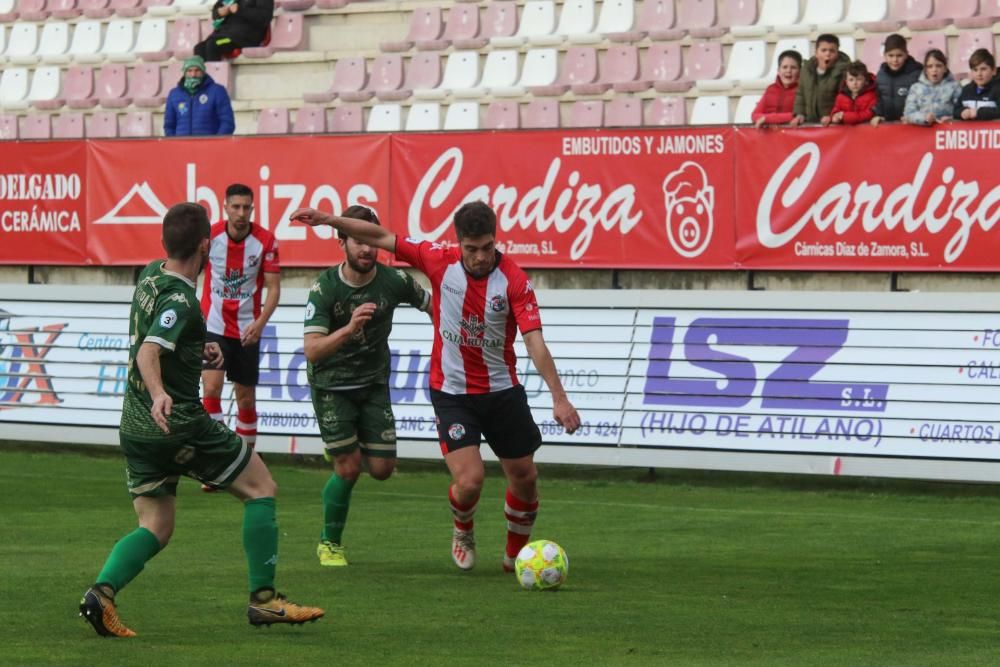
165, 311
364, 359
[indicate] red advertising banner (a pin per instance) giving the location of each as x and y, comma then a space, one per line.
899, 198
42, 203
137, 181
597, 199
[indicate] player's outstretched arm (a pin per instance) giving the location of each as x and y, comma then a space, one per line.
361, 231
148, 361
562, 410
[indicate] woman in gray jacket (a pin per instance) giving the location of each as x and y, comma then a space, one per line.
932, 98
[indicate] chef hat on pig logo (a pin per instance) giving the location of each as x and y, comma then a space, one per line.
690, 202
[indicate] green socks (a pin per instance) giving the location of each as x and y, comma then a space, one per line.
336, 502
260, 541
128, 557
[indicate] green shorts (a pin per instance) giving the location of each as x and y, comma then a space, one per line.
353, 418
213, 455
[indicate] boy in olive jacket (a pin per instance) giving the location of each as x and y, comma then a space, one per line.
820, 81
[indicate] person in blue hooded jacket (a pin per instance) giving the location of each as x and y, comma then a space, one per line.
198, 105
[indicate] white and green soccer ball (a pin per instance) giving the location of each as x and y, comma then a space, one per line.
541, 566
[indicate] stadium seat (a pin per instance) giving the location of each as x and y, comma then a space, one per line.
86, 43
576, 24
22, 44
540, 114
461, 71
101, 125
423, 72
67, 126
579, 67
704, 61
586, 113
14, 88
968, 41
540, 68
426, 25
798, 44
54, 43
623, 112
424, 117
945, 12
656, 19
700, 18
663, 69
462, 116
35, 126
873, 16
987, 13
272, 121
501, 116
871, 51
744, 109
538, 18
826, 13
8, 15
287, 34
913, 11
384, 118
345, 118
499, 20
297, 5
747, 61
773, 14
135, 124
32, 10
151, 40
193, 7
111, 86
64, 9
8, 127
615, 57
171, 75
922, 42
79, 87
665, 111
499, 73
847, 46
331, 4
119, 41
309, 120
462, 29
127, 9
147, 86
710, 110
386, 76
95, 9
45, 88
349, 79
221, 72
184, 34
620, 68
617, 18
160, 7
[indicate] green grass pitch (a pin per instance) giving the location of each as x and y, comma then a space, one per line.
686, 569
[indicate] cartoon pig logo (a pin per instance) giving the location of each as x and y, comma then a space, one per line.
689, 201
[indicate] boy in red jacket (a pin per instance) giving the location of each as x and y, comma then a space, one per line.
857, 99
777, 105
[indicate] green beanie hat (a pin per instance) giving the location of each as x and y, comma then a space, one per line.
194, 61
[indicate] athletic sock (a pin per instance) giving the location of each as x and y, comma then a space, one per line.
520, 518
126, 560
336, 503
213, 406
246, 426
462, 513
260, 541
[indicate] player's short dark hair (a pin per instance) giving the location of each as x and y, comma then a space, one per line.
185, 226
858, 69
980, 56
894, 42
359, 212
239, 190
793, 54
829, 39
475, 218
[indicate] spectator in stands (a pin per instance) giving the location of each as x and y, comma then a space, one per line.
237, 24
932, 98
899, 71
198, 105
820, 80
777, 104
980, 99
857, 99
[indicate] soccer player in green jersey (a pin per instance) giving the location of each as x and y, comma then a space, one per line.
347, 323
165, 432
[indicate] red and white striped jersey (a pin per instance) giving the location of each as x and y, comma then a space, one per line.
230, 297
475, 319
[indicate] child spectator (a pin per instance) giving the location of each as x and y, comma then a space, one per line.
932, 98
895, 76
820, 80
857, 99
980, 99
777, 104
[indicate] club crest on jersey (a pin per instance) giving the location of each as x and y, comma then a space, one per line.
168, 318
498, 303
456, 431
254, 260
310, 310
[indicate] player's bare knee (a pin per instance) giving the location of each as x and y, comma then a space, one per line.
381, 470
470, 482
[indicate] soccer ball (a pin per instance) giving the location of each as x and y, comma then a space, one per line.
541, 566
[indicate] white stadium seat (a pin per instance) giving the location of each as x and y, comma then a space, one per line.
424, 117
14, 88
44, 84
744, 109
710, 110
53, 46
385, 118
460, 71
499, 72
86, 44
22, 44
119, 40
747, 60
538, 17
462, 116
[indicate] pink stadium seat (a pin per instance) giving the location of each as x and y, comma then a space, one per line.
68, 126
538, 114
331, 4
663, 69
386, 74
501, 116
987, 13
700, 18
78, 87
892, 21
738, 12
426, 25
35, 126
969, 41
345, 118
272, 121
620, 67
586, 113
579, 67
221, 72
349, 78
127, 8
32, 10
147, 89
95, 9
296, 5
171, 75
704, 61
287, 34
8, 126
499, 20
424, 71
923, 42
64, 9
310, 120
111, 87
871, 51
666, 111
184, 34
102, 125
463, 28
136, 124
942, 13
657, 19
623, 112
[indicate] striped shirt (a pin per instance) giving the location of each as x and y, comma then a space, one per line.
475, 319
230, 297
